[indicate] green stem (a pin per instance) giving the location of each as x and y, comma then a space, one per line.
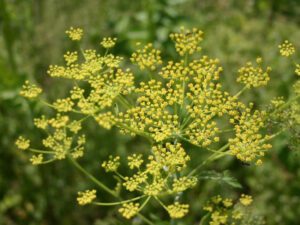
145, 203
208, 149
240, 92
219, 153
117, 203
53, 107
143, 134
40, 151
161, 203
91, 177
145, 219
124, 101
48, 161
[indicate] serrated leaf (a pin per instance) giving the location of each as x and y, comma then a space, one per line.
224, 177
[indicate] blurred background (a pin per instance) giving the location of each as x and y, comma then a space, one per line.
32, 36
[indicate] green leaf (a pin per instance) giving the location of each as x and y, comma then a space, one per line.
224, 177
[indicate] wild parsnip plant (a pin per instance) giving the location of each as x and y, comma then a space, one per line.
179, 101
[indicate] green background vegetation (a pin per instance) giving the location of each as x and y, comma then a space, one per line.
32, 37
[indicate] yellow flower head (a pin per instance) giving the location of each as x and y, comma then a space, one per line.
132, 183
135, 161
129, 210
108, 42
86, 197
75, 34
75, 126
70, 57
227, 202
155, 188
184, 183
59, 121
187, 41
177, 210
36, 159
246, 199
30, 90
147, 57
286, 48
296, 87
297, 70
254, 76
112, 164
63, 105
223, 210
249, 145
22, 143
41, 123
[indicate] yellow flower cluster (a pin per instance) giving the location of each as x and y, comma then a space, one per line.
277, 102
184, 183
71, 57
113, 83
246, 199
86, 197
106, 120
147, 57
112, 164
252, 76
63, 105
154, 177
172, 156
129, 210
22, 143
37, 159
165, 160
62, 138
177, 210
75, 34
296, 87
175, 71
286, 48
223, 211
135, 161
30, 90
297, 70
249, 144
199, 87
187, 41
183, 102
108, 42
